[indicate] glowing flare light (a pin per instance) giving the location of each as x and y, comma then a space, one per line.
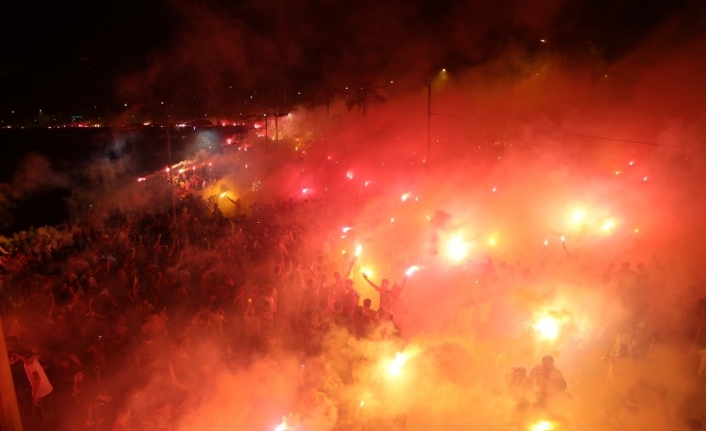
547, 327
395, 367
578, 216
411, 270
457, 248
541, 426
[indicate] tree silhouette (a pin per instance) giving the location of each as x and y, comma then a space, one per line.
363, 96
325, 95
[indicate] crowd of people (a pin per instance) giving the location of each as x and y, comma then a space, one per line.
138, 291
176, 301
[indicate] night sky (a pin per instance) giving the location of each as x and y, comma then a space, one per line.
68, 57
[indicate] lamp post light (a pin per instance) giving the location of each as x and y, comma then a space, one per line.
565, 47
428, 84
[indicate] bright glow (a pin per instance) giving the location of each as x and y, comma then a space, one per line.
546, 242
139, 180
548, 327
578, 216
346, 229
281, 427
608, 225
542, 426
366, 183
305, 191
395, 367
166, 169
392, 220
366, 271
457, 248
411, 270
562, 239
223, 194
358, 249
644, 179
405, 196
349, 175
491, 241
361, 404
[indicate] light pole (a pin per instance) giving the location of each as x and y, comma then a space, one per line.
169, 155
565, 47
428, 84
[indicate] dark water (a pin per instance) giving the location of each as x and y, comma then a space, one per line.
69, 149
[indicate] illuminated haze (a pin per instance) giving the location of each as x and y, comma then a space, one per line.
560, 169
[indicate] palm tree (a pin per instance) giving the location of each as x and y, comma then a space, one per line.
363, 96
324, 94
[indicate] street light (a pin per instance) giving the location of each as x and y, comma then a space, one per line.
565, 47
428, 84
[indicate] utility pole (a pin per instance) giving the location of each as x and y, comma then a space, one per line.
266, 144
11, 420
169, 154
428, 83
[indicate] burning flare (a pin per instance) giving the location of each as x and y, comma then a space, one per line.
609, 225
578, 216
456, 248
547, 327
542, 426
395, 367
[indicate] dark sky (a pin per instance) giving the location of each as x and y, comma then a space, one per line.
66, 55
72, 56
